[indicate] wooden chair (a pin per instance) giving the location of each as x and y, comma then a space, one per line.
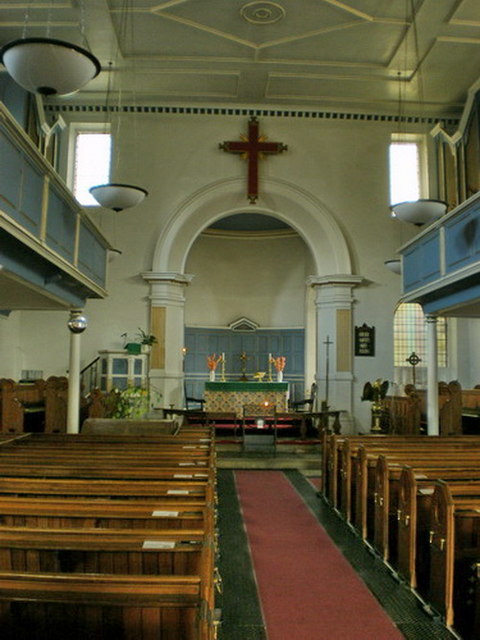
308, 403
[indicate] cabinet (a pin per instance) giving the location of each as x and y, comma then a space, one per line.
119, 369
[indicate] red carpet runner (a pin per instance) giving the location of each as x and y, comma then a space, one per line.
307, 588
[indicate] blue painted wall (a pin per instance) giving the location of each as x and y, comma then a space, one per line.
257, 345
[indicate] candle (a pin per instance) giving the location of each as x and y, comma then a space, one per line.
223, 357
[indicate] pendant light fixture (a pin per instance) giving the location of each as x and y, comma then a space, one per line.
419, 212
395, 265
120, 195
49, 66
424, 210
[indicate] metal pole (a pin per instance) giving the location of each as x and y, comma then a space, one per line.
433, 428
77, 324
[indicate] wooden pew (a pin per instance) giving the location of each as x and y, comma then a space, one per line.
454, 548
53, 606
458, 465
183, 605
356, 469
104, 513
415, 492
18, 400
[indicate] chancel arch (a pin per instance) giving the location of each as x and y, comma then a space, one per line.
329, 256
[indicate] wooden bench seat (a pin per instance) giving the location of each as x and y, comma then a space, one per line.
130, 518
387, 511
129, 551
106, 607
415, 495
356, 470
454, 549
117, 514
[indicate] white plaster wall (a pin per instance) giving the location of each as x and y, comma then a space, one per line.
342, 164
262, 279
10, 346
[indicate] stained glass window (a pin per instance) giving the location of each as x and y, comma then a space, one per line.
409, 335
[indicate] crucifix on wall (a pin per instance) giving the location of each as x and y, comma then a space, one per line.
252, 148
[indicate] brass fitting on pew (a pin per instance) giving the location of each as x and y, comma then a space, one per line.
217, 580
431, 540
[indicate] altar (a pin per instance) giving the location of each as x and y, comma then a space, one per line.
231, 397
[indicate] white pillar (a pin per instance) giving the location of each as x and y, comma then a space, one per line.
334, 317
77, 325
167, 296
433, 428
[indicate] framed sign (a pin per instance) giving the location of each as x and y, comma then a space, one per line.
364, 340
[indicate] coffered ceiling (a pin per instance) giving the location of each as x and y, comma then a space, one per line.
351, 55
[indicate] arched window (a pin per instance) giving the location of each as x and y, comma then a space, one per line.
409, 335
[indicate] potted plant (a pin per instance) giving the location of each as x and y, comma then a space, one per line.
146, 340
141, 343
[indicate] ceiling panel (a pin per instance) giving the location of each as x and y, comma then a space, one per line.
218, 52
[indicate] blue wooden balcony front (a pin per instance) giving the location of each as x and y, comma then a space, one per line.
47, 241
441, 265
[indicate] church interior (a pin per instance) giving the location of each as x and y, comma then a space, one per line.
240, 238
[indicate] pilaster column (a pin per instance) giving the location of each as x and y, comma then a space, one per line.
334, 370
167, 323
433, 428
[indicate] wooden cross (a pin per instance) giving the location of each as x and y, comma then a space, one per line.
252, 148
327, 344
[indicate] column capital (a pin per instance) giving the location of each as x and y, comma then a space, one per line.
338, 280
167, 277
167, 288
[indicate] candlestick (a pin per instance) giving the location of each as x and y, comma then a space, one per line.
270, 367
223, 367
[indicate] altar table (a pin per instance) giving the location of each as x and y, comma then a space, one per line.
232, 396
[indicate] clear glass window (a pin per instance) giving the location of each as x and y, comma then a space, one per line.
405, 171
91, 164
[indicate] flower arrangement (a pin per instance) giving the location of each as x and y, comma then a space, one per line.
212, 361
279, 362
132, 402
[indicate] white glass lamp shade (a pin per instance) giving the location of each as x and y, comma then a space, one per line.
419, 212
47, 66
118, 196
394, 265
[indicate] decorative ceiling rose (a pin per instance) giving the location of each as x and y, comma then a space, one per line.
262, 12
48, 66
394, 265
118, 196
419, 212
